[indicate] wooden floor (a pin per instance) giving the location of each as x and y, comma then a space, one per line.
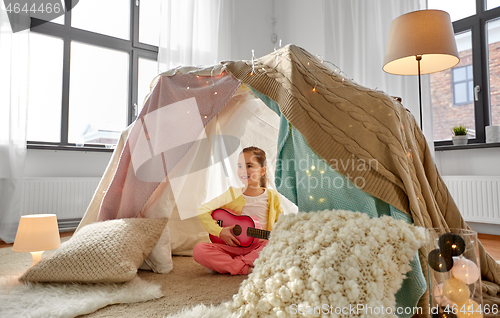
490, 242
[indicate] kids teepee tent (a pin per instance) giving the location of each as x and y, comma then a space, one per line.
330, 142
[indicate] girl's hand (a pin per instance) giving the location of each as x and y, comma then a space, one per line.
228, 237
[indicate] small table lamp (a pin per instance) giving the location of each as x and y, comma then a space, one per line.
37, 233
421, 42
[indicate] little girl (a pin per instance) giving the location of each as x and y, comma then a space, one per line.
255, 200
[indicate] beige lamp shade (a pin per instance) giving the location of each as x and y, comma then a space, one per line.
425, 33
37, 232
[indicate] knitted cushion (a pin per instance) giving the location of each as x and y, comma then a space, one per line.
109, 251
329, 262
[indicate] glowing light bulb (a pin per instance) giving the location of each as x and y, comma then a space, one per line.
469, 309
311, 197
451, 244
215, 93
438, 262
314, 89
465, 270
313, 167
456, 290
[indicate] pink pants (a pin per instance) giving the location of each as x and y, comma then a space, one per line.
227, 259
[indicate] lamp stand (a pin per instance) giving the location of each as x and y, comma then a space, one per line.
37, 256
419, 58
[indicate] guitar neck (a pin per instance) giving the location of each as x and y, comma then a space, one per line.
258, 233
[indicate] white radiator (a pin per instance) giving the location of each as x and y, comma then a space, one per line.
477, 197
68, 198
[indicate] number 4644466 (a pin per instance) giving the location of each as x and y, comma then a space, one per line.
34, 8
486, 309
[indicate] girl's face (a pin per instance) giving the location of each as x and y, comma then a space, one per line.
249, 170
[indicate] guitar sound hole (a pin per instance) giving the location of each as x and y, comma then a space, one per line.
237, 230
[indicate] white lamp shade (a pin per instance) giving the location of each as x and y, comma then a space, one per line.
37, 232
426, 33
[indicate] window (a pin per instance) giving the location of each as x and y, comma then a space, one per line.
470, 92
462, 85
90, 71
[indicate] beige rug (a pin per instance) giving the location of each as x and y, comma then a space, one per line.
188, 284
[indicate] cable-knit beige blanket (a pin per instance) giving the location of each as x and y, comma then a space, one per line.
339, 119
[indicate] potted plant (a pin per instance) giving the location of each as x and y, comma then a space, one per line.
460, 136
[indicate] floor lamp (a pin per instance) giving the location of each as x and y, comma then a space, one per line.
421, 42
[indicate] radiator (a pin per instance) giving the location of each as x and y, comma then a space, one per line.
68, 198
477, 197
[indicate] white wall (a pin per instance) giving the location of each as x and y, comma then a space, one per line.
301, 23
296, 22
253, 29
469, 162
57, 163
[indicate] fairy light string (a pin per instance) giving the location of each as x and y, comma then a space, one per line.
309, 71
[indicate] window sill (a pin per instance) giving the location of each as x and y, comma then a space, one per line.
468, 146
87, 148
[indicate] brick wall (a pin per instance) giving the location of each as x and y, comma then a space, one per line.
447, 115
494, 61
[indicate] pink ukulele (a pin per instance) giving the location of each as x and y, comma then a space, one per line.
246, 229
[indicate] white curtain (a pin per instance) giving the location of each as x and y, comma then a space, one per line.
356, 34
13, 106
194, 32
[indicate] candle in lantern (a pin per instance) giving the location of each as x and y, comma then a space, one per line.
456, 290
465, 270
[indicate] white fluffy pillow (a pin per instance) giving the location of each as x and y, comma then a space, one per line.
322, 262
101, 252
160, 258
